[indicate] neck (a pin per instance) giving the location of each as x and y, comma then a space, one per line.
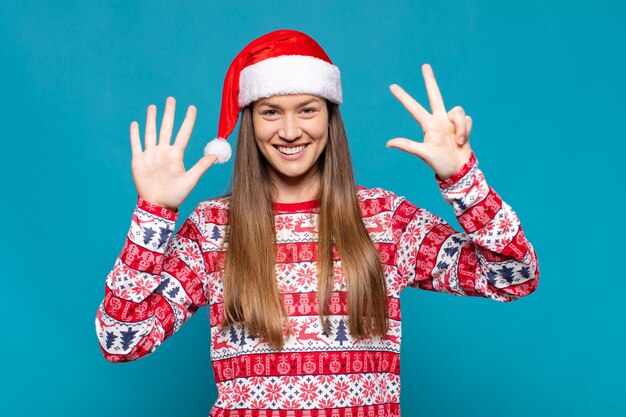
294, 190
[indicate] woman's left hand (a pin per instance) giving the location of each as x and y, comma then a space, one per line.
446, 146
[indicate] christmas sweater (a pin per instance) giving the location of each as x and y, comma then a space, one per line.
161, 278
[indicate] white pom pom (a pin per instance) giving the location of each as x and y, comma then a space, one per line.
220, 148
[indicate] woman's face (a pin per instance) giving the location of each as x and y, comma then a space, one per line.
291, 131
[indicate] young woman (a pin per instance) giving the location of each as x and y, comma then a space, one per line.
300, 268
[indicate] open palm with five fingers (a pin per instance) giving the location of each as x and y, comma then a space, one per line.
446, 145
158, 171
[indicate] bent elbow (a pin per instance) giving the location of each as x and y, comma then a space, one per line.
525, 288
124, 345
515, 292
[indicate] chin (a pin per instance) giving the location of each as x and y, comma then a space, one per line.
292, 173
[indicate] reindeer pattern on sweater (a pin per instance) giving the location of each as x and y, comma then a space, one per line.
161, 278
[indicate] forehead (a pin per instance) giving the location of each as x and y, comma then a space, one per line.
289, 100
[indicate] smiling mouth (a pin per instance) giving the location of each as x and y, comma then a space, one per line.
290, 150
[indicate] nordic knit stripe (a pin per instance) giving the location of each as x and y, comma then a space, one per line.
161, 278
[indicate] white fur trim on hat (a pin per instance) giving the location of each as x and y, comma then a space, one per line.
289, 74
220, 148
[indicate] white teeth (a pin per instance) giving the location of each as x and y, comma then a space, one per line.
291, 150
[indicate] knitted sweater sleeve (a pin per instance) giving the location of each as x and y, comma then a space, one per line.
157, 283
490, 258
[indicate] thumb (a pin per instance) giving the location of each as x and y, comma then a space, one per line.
407, 145
201, 166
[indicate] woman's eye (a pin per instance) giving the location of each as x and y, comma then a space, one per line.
270, 112
308, 110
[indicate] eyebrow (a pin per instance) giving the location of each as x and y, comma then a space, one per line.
276, 106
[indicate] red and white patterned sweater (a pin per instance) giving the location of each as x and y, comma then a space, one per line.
161, 278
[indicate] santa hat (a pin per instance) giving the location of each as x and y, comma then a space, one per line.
279, 62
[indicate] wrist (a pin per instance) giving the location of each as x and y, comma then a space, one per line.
460, 173
169, 213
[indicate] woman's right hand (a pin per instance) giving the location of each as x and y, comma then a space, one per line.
158, 171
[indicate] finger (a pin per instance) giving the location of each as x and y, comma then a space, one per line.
135, 141
418, 112
434, 96
457, 116
407, 145
151, 127
167, 124
182, 138
201, 167
469, 125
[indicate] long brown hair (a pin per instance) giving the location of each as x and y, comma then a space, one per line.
251, 294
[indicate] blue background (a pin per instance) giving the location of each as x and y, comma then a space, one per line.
543, 81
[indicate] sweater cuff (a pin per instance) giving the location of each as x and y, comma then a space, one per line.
157, 210
443, 184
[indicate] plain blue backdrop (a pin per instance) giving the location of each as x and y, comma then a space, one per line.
543, 81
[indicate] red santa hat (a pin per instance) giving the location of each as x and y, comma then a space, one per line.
279, 62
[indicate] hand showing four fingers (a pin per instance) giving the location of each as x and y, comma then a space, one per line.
158, 171
446, 145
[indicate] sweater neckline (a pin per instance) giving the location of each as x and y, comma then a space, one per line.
299, 206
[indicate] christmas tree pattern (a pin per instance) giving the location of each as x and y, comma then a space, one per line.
162, 285
215, 233
233, 335
330, 328
173, 292
507, 274
460, 203
164, 235
127, 338
341, 332
242, 339
110, 339
457, 240
317, 369
148, 232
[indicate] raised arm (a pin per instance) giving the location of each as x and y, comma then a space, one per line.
158, 281
491, 257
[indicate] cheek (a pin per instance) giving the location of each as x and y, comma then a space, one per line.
263, 130
317, 129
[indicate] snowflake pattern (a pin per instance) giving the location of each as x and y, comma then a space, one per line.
162, 277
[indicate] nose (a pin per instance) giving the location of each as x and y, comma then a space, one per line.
290, 130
